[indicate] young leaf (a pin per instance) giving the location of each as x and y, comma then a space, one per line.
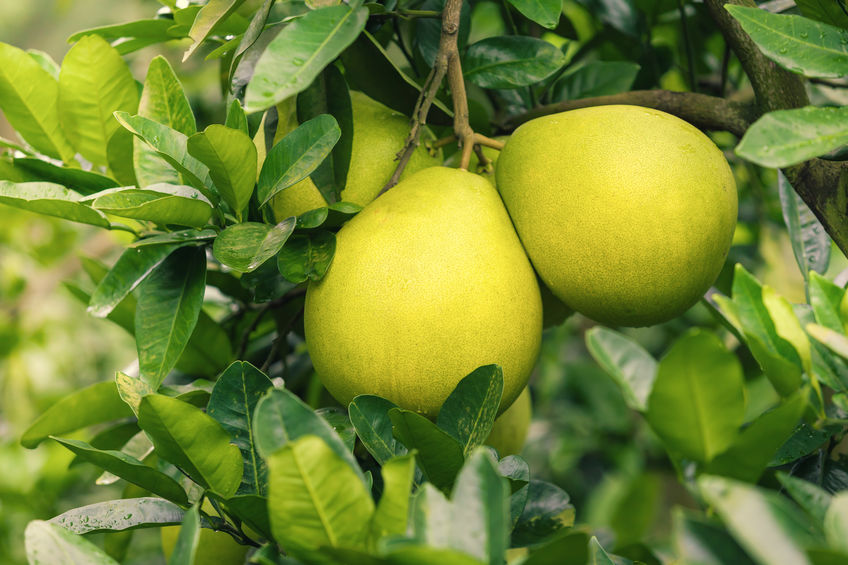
370, 418
799, 44
129, 270
185, 436
788, 137
697, 403
300, 51
51, 200
308, 479
390, 517
546, 13
164, 101
188, 539
49, 544
810, 243
245, 247
627, 362
439, 455
29, 100
826, 298
511, 61
91, 405
94, 82
119, 515
128, 468
812, 498
213, 13
297, 155
787, 325
307, 256
704, 542
234, 398
231, 158
598, 78
469, 411
169, 303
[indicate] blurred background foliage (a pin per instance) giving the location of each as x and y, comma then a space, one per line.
583, 436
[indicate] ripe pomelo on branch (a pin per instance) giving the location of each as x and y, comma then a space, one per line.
428, 283
626, 212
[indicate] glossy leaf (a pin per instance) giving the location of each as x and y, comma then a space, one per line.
330, 216
300, 51
187, 437
94, 404
308, 479
812, 498
699, 541
84, 182
119, 515
162, 203
94, 82
438, 454
598, 78
810, 243
788, 137
391, 514
546, 13
697, 403
211, 14
469, 411
169, 303
799, 44
231, 158
51, 200
188, 539
370, 417
29, 98
180, 236
128, 468
627, 362
244, 247
297, 155
164, 101
511, 61
49, 544
233, 402
307, 256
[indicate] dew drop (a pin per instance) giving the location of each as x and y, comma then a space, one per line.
297, 62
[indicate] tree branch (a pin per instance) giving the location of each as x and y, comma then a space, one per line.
701, 110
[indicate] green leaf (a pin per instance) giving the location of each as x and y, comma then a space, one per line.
627, 362
119, 154
439, 455
84, 182
810, 243
231, 158
300, 51
517, 471
188, 539
190, 439
511, 61
234, 398
391, 516
334, 215
598, 78
753, 450
812, 498
825, 11
156, 29
307, 256
297, 155
49, 544
432, 517
250, 508
548, 509
210, 15
697, 403
51, 200
370, 418
91, 405
787, 326
29, 98
835, 341
245, 247
826, 298
699, 541
181, 236
120, 515
164, 101
469, 412
94, 82
281, 417
169, 303
804, 441
308, 479
129, 270
788, 137
597, 554
171, 145
128, 468
775, 537
546, 13
796, 43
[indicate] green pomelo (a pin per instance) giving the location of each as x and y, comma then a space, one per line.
627, 213
510, 429
428, 283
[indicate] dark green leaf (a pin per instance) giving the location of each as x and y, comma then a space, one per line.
370, 417
812, 498
307, 256
244, 247
598, 78
548, 509
438, 454
169, 303
84, 182
827, 11
333, 215
810, 243
119, 515
517, 471
51, 200
546, 13
338, 419
803, 441
181, 236
627, 362
250, 508
511, 61
49, 544
469, 411
234, 398
231, 158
